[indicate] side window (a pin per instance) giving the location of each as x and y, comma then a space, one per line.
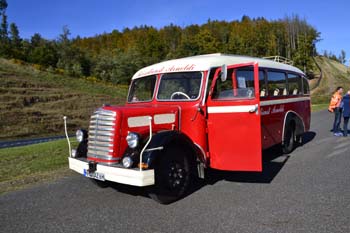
262, 84
276, 82
243, 83
223, 90
294, 84
306, 88
239, 84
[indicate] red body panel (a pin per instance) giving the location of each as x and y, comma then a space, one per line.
227, 133
235, 133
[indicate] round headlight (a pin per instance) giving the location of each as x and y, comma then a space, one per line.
132, 140
127, 162
80, 135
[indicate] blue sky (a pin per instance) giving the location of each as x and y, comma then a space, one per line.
91, 17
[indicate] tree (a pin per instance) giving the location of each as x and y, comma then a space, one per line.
4, 24
342, 57
3, 5
15, 42
4, 48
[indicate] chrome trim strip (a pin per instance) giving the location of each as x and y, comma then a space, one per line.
107, 158
103, 118
100, 134
284, 101
101, 122
105, 112
99, 144
97, 148
153, 149
101, 128
232, 109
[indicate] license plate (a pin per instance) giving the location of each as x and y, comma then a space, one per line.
94, 175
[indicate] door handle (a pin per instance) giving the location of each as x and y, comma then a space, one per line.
254, 109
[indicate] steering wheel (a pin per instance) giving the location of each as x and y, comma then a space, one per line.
179, 93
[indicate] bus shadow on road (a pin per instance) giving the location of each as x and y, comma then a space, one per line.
273, 162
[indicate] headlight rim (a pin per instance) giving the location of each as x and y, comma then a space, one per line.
82, 135
133, 140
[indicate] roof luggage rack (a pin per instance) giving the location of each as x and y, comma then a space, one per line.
280, 59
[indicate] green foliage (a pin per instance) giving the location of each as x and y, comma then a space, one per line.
115, 56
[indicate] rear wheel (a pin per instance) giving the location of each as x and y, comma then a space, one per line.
172, 175
289, 139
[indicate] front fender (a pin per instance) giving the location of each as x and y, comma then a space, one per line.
159, 143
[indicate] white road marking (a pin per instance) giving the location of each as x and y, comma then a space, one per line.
337, 152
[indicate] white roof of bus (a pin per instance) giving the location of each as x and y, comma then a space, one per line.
205, 62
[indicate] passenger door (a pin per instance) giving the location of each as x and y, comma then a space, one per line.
234, 124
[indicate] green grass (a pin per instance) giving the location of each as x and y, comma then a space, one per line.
28, 165
334, 74
319, 107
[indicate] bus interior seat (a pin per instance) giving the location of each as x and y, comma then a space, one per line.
295, 91
263, 92
285, 91
276, 92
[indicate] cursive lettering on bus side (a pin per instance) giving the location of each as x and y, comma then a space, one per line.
275, 109
163, 69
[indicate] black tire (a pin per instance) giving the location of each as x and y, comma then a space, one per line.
289, 139
173, 175
99, 183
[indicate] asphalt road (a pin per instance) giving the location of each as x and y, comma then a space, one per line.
306, 191
25, 142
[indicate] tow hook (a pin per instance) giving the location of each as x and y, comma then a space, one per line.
92, 167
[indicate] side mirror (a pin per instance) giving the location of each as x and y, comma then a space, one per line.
223, 75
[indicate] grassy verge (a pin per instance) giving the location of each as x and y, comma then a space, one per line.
319, 107
24, 166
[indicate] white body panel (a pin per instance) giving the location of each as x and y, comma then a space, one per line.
205, 62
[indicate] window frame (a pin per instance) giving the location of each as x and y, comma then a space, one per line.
233, 75
180, 100
144, 101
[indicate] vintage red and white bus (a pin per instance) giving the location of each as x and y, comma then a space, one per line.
182, 116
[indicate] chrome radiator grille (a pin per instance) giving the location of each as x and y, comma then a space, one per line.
101, 135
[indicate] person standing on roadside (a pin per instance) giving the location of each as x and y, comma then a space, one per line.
346, 112
334, 106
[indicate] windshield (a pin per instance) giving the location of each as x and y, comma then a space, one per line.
142, 89
180, 86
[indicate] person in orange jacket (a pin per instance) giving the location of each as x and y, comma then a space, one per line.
335, 106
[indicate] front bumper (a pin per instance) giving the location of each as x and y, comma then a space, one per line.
133, 177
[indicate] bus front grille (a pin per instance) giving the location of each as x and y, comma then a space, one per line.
101, 135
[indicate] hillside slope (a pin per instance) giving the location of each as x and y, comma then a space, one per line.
333, 74
32, 102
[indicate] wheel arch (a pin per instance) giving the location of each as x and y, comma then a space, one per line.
299, 124
164, 139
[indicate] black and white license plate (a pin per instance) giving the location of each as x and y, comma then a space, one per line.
94, 175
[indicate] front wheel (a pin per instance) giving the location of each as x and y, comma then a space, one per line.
172, 175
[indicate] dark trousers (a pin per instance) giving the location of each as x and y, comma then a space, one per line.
337, 120
346, 121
